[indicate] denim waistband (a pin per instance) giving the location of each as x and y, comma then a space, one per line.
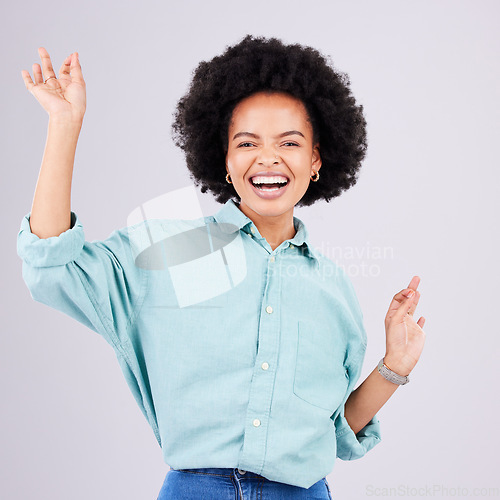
229, 471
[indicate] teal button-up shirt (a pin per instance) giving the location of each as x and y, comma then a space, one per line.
238, 355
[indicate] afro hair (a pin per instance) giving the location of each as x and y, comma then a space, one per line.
202, 116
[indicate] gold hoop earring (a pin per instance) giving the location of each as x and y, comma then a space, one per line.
228, 176
316, 176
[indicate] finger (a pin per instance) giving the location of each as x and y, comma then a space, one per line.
414, 303
414, 282
421, 322
48, 71
64, 71
37, 74
76, 70
405, 306
397, 300
27, 79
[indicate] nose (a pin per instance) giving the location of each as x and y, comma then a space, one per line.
268, 156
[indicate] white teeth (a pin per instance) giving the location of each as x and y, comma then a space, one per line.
269, 180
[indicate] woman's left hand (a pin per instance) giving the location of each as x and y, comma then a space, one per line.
404, 336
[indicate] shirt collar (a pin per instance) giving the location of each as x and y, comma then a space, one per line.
233, 219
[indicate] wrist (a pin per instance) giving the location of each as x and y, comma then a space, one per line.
66, 121
397, 365
63, 135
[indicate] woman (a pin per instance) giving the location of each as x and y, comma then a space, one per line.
240, 342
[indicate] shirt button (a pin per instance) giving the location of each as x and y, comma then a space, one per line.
265, 365
241, 471
252, 229
256, 422
269, 309
272, 258
291, 246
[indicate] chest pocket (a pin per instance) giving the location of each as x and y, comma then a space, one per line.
320, 377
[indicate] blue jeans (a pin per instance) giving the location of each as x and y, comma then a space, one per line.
234, 484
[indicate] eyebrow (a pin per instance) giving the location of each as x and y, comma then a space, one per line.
284, 134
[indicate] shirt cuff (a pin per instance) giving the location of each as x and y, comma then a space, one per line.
52, 251
352, 446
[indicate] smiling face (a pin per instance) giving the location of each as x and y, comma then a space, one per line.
270, 133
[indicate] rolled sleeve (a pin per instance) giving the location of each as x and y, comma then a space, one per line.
351, 446
53, 251
97, 283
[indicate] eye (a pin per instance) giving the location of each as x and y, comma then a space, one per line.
243, 144
292, 143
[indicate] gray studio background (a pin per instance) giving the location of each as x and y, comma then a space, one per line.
426, 204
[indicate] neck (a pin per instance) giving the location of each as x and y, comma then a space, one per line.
274, 228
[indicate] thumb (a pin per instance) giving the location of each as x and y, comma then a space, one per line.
76, 69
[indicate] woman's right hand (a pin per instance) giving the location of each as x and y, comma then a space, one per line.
64, 97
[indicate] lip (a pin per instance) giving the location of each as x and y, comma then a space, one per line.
269, 195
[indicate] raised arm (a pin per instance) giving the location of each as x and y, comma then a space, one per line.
64, 99
96, 282
404, 343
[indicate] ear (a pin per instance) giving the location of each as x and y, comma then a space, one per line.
316, 158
